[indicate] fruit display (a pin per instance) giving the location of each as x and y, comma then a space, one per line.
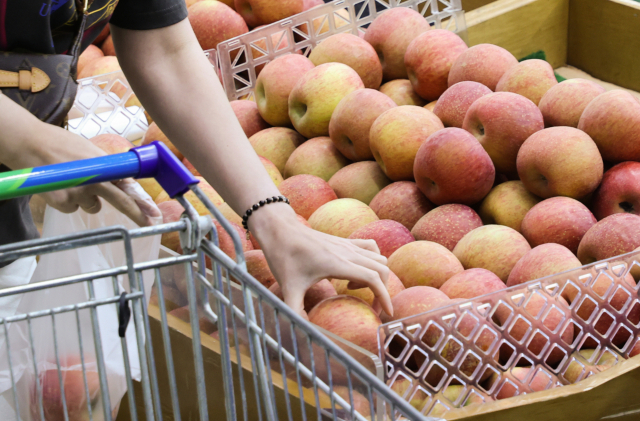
473, 172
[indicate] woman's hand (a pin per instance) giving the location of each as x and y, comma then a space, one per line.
299, 256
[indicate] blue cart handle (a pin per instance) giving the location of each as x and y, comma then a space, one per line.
153, 160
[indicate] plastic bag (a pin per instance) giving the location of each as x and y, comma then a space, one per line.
69, 337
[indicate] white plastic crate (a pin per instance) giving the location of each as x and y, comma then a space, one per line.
240, 56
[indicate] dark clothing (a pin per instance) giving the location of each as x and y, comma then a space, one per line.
49, 27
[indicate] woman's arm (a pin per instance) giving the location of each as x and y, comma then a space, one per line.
179, 88
27, 142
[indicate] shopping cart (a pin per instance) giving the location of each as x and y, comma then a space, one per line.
251, 322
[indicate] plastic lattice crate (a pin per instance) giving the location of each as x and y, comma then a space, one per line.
241, 58
523, 339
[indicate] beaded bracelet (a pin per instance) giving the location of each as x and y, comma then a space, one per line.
260, 204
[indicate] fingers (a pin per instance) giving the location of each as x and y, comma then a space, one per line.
294, 298
372, 279
370, 245
122, 202
89, 203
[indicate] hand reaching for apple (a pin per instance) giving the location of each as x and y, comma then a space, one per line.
299, 257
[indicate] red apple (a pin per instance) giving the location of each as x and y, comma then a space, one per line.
352, 119
619, 191
401, 201
454, 103
507, 204
264, 12
341, 217
493, 247
100, 66
274, 84
417, 300
446, 225
565, 102
276, 144
402, 93
317, 156
390, 34
612, 120
502, 122
472, 283
171, 212
530, 78
543, 260
90, 54
258, 267
272, 170
482, 63
361, 180
396, 136
317, 94
191, 168
614, 235
560, 161
307, 193
560, 220
107, 47
214, 22
429, 59
353, 51
389, 235
424, 263
452, 167
247, 113
154, 133
350, 318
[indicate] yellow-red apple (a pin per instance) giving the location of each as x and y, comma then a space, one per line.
90, 54
416, 300
565, 102
619, 191
401, 201
276, 144
614, 235
446, 225
100, 66
171, 212
247, 113
258, 267
530, 78
341, 217
424, 263
482, 63
154, 133
272, 170
454, 103
402, 93
107, 47
389, 235
507, 204
306, 193
396, 136
472, 283
214, 22
317, 156
360, 180
264, 12
543, 260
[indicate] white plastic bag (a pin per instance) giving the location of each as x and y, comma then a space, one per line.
70, 335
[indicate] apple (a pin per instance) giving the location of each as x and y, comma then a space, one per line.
151, 186
482, 63
353, 51
543, 260
446, 225
493, 247
390, 34
614, 235
612, 120
226, 243
171, 212
258, 267
452, 167
502, 122
90, 54
431, 106
249, 117
191, 197
394, 287
314, 295
507, 204
274, 84
272, 170
341, 217
214, 22
396, 136
112, 143
276, 144
472, 283
560, 161
417, 300
401, 201
264, 12
619, 191
539, 382
107, 47
72, 376
317, 156
576, 372
310, 4
352, 119
100, 66
529, 78
104, 33
350, 318
189, 166
429, 59
402, 93
560, 220
154, 133
360, 180
565, 102
306, 193
454, 103
424, 263
316, 95
452, 393
389, 235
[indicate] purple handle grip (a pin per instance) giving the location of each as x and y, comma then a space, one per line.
157, 161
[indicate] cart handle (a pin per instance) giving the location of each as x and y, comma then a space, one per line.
152, 160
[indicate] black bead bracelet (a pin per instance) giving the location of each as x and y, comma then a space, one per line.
260, 204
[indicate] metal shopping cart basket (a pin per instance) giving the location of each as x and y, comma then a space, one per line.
250, 321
